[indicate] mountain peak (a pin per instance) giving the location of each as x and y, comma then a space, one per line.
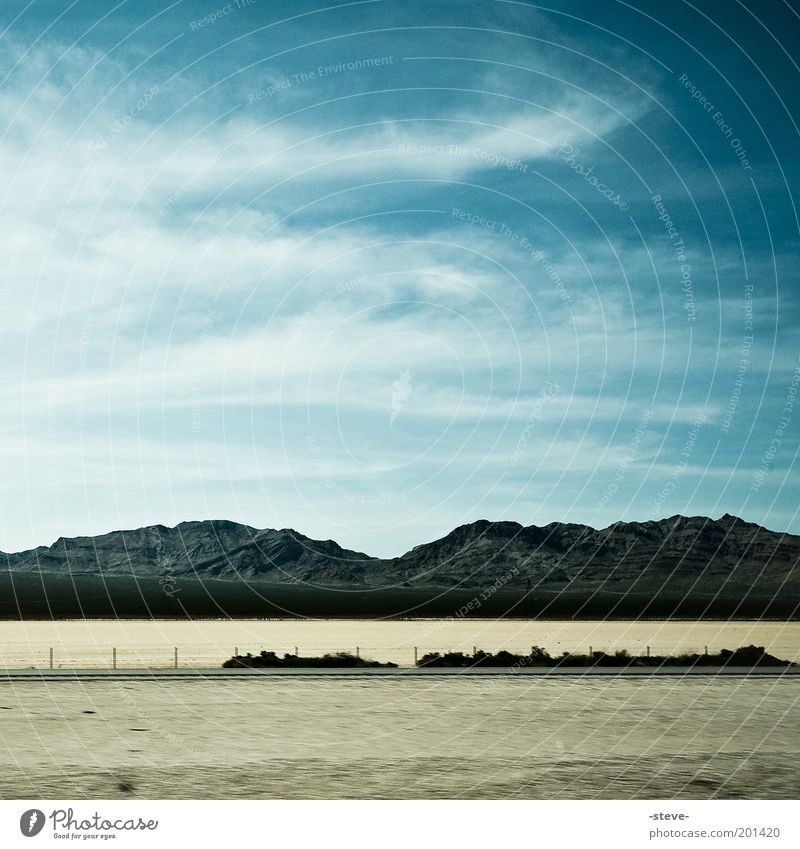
730, 519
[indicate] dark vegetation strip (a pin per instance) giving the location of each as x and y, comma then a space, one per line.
744, 657
270, 660
50, 596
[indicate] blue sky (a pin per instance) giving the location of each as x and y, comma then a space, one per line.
373, 270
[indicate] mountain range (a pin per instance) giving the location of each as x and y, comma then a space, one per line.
695, 552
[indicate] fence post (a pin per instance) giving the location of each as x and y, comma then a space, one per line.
51, 657
296, 654
416, 656
236, 651
114, 657
648, 651
705, 649
357, 650
590, 651
474, 650
176, 657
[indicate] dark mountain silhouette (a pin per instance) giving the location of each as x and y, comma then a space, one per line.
697, 553
209, 549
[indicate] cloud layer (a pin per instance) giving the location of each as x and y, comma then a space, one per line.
371, 281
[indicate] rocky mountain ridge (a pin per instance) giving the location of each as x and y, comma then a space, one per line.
482, 554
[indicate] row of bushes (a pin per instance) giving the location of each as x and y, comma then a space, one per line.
745, 656
270, 660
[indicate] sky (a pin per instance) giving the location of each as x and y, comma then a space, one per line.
374, 270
